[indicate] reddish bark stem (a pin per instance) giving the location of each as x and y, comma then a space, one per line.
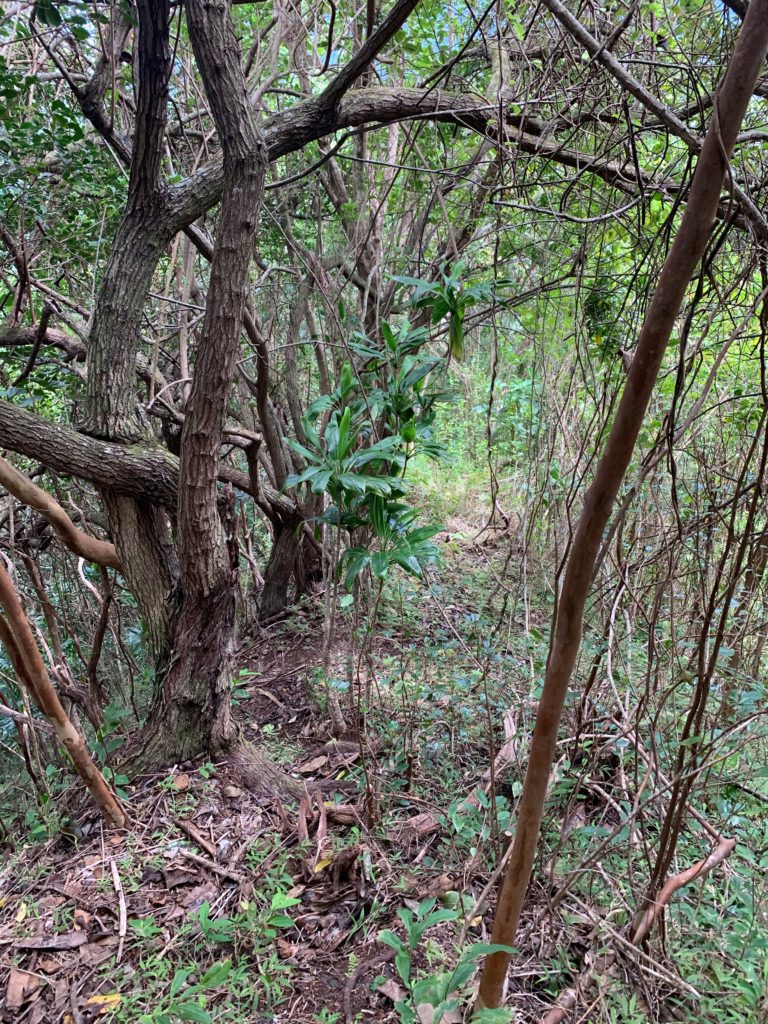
681, 262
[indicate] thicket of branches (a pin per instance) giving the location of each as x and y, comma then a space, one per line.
263, 265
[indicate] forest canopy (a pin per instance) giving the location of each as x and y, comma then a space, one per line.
383, 436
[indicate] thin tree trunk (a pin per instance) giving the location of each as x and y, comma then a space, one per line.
679, 266
17, 638
90, 548
280, 568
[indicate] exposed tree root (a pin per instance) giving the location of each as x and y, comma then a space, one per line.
251, 769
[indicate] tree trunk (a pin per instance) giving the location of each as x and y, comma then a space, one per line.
280, 568
679, 266
192, 710
139, 528
142, 535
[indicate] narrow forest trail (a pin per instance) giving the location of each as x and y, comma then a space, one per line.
217, 902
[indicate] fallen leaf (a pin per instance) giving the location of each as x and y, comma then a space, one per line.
312, 765
441, 885
21, 913
105, 1003
95, 952
392, 990
287, 949
38, 1012
418, 826
321, 864
21, 985
82, 918
342, 814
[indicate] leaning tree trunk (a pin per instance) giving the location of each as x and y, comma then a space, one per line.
286, 549
294, 556
689, 246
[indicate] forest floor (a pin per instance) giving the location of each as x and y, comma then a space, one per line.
221, 905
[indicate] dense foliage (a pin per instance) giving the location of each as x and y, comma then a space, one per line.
315, 321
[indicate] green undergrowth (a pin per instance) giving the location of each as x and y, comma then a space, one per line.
436, 667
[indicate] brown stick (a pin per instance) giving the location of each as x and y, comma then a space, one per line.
90, 548
569, 999
16, 636
686, 251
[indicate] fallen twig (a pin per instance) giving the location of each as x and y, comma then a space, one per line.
122, 910
196, 837
216, 868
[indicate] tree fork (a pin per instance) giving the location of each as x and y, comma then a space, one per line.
686, 251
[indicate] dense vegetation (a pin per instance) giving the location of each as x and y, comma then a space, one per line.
384, 415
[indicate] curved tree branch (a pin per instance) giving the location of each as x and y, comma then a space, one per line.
90, 548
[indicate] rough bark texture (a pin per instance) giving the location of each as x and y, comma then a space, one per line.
141, 470
113, 343
286, 549
151, 567
193, 710
687, 249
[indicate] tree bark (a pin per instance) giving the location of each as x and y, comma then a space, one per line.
286, 550
192, 712
679, 266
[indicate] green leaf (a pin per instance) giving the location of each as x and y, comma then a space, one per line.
410, 563
357, 559
191, 1011
321, 480
422, 533
301, 450
403, 965
178, 982
281, 921
300, 478
380, 564
438, 916
456, 336
419, 286
390, 939
347, 381
353, 482
479, 949
47, 13
281, 900
216, 974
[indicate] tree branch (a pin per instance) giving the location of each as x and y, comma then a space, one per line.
370, 49
90, 548
603, 56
